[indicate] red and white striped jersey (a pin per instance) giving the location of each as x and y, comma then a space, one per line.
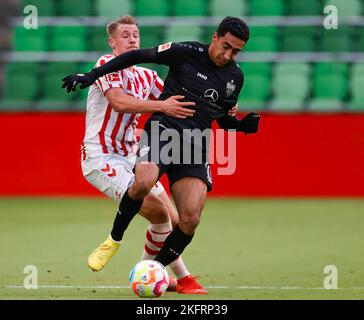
108, 131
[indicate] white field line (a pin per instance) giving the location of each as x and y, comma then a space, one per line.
207, 287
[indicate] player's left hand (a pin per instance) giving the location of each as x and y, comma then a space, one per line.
70, 82
233, 111
250, 123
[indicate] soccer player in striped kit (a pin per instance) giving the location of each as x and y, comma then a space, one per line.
114, 104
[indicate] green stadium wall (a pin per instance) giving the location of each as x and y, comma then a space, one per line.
298, 155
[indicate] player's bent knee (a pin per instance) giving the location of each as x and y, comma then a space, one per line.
140, 189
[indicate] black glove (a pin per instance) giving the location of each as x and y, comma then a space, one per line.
250, 123
86, 80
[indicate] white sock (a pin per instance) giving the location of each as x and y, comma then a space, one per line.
156, 234
179, 269
155, 237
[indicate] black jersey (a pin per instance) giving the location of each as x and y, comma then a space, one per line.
192, 73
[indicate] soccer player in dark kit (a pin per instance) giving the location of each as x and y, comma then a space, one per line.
207, 75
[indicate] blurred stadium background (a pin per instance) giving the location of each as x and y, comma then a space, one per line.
326, 72
306, 81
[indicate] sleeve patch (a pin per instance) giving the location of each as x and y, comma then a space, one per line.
113, 77
164, 47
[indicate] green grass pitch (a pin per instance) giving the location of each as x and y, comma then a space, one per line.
243, 249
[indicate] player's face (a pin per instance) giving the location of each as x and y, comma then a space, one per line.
225, 49
125, 38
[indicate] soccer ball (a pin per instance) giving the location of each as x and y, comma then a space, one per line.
149, 279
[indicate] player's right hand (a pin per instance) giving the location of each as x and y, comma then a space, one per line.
250, 123
174, 108
70, 82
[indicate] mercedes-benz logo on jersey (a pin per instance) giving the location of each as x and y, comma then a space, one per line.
211, 95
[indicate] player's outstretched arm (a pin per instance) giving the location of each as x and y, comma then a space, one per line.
249, 124
173, 107
122, 61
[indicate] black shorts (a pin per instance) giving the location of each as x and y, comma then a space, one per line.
168, 149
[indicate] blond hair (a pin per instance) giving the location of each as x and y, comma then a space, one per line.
127, 19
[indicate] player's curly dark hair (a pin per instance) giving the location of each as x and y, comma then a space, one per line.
236, 26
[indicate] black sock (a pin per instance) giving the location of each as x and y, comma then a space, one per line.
173, 246
128, 208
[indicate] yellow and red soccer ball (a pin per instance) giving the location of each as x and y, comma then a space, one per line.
149, 279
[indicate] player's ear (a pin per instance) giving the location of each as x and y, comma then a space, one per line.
215, 37
111, 43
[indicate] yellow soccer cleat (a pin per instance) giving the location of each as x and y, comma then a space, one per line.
102, 254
